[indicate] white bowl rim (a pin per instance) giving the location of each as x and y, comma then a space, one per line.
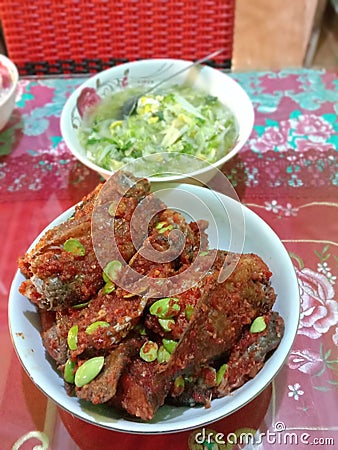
14, 77
239, 397
91, 82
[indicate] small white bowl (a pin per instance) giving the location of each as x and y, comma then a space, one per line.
150, 72
232, 226
7, 101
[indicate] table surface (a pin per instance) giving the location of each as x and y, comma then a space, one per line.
286, 173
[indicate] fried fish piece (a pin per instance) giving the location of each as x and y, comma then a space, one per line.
104, 386
120, 309
58, 277
224, 309
221, 314
246, 359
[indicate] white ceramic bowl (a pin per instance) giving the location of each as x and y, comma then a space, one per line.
232, 226
7, 100
152, 71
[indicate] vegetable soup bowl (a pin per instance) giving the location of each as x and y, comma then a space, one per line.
190, 125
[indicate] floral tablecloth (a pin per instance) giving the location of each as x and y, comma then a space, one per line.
286, 173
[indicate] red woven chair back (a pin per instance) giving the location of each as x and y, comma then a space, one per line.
74, 36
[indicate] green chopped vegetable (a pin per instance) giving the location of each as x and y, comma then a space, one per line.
165, 308
164, 229
179, 385
169, 345
72, 337
189, 309
141, 329
112, 209
109, 287
148, 351
258, 325
80, 305
220, 373
163, 355
181, 120
75, 247
130, 295
95, 325
179, 381
165, 323
160, 225
88, 371
68, 373
111, 270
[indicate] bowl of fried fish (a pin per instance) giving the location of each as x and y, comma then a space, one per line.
149, 311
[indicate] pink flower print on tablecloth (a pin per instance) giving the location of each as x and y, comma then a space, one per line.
314, 127
335, 337
301, 133
314, 132
21, 89
273, 138
304, 145
319, 310
306, 361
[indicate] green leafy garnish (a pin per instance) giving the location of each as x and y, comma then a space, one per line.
75, 247
258, 325
88, 371
220, 373
68, 373
165, 308
163, 355
72, 337
110, 272
95, 325
169, 345
148, 351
